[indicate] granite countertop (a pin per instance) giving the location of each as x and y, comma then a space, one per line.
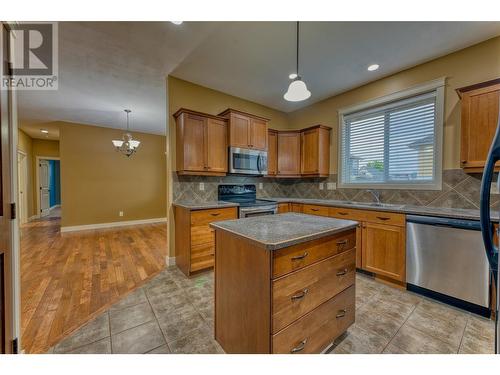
194, 205
275, 232
458, 213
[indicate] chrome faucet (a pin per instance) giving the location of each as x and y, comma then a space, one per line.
376, 195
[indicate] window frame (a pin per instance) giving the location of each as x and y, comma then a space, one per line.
438, 87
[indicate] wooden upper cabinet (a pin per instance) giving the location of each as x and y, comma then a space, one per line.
479, 121
258, 134
246, 130
201, 143
289, 153
216, 145
272, 152
315, 151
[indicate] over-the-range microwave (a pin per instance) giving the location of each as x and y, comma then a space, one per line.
247, 161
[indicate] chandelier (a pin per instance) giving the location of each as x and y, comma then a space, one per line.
127, 145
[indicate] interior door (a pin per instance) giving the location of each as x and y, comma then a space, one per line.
44, 178
6, 254
22, 188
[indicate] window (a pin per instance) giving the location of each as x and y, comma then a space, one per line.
393, 142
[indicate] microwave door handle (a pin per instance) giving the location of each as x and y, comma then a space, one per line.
259, 162
487, 227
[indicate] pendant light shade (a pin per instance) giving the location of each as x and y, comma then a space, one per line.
127, 145
297, 91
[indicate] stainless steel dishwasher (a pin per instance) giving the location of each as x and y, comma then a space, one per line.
445, 260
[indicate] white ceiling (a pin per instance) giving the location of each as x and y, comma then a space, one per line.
108, 66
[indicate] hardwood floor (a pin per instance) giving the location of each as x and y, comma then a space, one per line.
66, 279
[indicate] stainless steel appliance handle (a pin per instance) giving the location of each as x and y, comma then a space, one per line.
487, 227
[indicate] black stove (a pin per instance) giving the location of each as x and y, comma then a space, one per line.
246, 197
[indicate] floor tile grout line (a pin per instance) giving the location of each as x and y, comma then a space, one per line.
408, 317
425, 333
463, 334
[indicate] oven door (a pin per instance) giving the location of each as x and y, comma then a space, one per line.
245, 161
258, 211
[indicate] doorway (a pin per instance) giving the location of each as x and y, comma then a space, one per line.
22, 176
48, 182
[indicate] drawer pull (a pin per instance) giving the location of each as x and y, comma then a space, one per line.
342, 273
314, 209
343, 213
383, 218
215, 213
300, 295
341, 313
300, 257
299, 347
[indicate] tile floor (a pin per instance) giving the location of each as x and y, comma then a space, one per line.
174, 314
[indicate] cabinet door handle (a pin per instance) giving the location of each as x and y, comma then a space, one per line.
300, 295
341, 313
343, 213
299, 347
383, 218
299, 257
215, 214
342, 273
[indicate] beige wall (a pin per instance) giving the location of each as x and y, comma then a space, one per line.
97, 182
475, 64
33, 148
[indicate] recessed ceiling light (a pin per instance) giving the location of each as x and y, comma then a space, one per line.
177, 22
44, 131
292, 76
373, 67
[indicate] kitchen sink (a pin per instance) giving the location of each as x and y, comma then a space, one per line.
374, 204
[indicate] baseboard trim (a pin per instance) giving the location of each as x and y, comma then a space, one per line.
170, 261
34, 217
115, 224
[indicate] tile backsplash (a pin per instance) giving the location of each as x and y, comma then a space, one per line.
459, 190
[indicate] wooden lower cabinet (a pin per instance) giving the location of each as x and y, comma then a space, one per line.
194, 239
380, 238
383, 250
283, 208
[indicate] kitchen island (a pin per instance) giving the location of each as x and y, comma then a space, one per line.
283, 283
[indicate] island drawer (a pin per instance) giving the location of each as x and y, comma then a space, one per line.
315, 210
298, 256
205, 217
315, 331
298, 293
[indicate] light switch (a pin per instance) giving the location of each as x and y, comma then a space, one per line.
331, 185
261, 186
321, 186
201, 186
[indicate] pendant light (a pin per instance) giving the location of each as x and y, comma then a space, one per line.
297, 91
127, 145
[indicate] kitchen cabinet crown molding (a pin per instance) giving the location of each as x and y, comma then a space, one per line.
197, 113
232, 110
